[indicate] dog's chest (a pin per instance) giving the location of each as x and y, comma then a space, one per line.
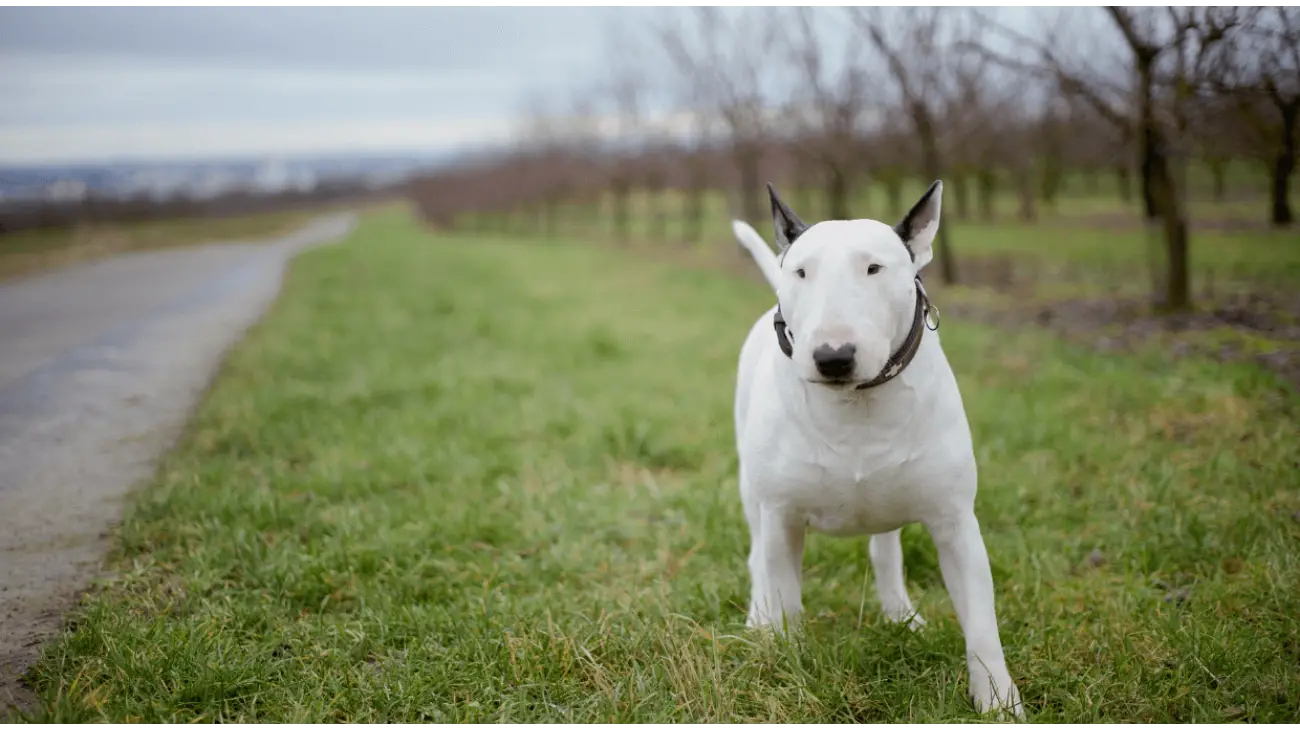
862, 493
856, 488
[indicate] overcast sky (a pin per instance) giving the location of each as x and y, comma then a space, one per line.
97, 83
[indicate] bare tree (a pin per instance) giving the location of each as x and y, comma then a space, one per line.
1188, 35
1260, 71
653, 167
728, 61
976, 115
1216, 131
627, 89
893, 152
917, 44
697, 155
987, 118
1094, 147
542, 180
828, 104
581, 132
1168, 49
1051, 150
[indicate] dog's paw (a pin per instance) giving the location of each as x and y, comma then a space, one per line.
777, 625
757, 619
906, 616
996, 695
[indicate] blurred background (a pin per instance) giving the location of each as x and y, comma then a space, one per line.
1103, 166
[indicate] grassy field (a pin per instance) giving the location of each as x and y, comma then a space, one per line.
34, 251
459, 479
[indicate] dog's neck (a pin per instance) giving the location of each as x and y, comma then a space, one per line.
901, 354
904, 343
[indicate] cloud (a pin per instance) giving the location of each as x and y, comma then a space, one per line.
34, 73
62, 89
161, 82
72, 107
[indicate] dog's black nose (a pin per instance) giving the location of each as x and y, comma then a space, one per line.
834, 362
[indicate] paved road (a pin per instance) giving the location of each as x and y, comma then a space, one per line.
100, 365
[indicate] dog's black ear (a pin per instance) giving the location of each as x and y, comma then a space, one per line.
787, 224
918, 227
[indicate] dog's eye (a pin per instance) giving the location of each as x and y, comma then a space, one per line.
873, 269
799, 273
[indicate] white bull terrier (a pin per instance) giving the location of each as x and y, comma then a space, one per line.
849, 421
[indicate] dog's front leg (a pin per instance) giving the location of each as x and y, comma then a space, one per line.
965, 566
778, 569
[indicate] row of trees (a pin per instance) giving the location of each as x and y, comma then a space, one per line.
831, 100
20, 215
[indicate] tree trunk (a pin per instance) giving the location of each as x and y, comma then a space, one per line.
961, 193
1178, 291
662, 214
1125, 183
837, 193
551, 215
1218, 175
988, 188
694, 202
1283, 166
1051, 173
1166, 201
693, 226
1147, 140
1148, 196
894, 192
619, 190
598, 211
655, 207
1177, 294
747, 162
1028, 212
805, 180
1050, 183
932, 164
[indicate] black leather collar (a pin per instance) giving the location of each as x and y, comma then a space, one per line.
896, 362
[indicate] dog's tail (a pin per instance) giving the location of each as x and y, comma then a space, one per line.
761, 252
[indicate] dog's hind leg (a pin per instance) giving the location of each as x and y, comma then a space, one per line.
887, 563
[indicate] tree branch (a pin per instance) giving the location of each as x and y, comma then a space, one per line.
1124, 21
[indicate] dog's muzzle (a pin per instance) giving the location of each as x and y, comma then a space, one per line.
925, 317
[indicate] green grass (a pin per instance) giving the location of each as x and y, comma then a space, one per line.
457, 479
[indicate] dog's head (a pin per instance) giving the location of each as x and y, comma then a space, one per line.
848, 292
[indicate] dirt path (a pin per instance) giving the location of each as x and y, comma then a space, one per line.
100, 366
